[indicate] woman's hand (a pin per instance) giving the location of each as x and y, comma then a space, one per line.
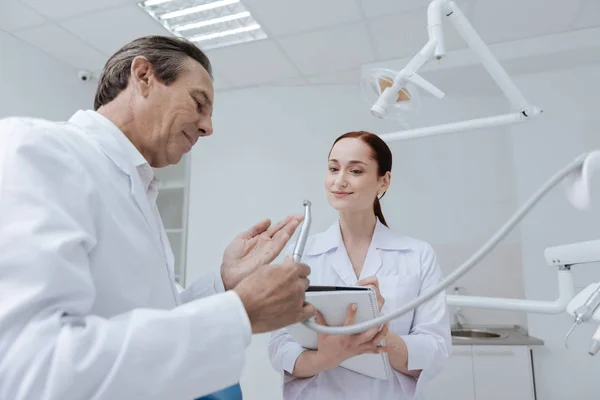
372, 282
334, 349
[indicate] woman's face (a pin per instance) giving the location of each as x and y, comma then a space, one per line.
352, 181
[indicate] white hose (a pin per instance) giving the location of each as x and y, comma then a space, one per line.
462, 270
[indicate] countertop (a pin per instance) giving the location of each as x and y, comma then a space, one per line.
513, 335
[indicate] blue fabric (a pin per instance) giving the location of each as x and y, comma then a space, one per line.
231, 393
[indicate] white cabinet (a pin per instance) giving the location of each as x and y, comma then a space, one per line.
485, 373
456, 380
172, 203
503, 372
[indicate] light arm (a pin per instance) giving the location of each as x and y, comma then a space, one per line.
491, 64
454, 127
435, 48
565, 290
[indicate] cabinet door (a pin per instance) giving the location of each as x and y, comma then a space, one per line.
455, 382
503, 372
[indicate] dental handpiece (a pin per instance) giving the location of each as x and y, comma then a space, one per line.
303, 235
585, 311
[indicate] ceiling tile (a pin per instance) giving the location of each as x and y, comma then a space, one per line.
111, 29
588, 16
336, 78
15, 15
62, 45
569, 59
403, 35
251, 63
498, 21
329, 50
290, 17
60, 9
377, 8
472, 80
290, 82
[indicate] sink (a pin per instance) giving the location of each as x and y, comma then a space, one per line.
475, 334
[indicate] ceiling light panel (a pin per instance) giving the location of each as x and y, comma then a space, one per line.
208, 23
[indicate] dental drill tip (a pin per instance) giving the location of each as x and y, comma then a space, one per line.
306, 203
569, 334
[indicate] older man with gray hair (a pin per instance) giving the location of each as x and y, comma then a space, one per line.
88, 304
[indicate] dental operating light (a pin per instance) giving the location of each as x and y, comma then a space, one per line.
387, 103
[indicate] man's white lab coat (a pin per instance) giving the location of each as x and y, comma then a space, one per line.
88, 305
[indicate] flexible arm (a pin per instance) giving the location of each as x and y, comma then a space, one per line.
436, 289
51, 346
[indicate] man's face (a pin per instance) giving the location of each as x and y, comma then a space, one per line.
176, 115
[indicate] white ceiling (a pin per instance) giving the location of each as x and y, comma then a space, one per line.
311, 42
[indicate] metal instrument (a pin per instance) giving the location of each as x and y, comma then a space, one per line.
304, 230
585, 311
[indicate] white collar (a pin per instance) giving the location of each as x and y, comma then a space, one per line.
383, 238
132, 154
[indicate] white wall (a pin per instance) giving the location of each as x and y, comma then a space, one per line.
569, 126
36, 85
269, 152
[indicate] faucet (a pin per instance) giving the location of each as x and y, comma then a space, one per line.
459, 317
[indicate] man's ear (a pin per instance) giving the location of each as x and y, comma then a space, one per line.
141, 72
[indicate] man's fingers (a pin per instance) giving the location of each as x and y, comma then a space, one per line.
305, 284
279, 241
303, 270
287, 225
256, 229
283, 235
274, 247
273, 229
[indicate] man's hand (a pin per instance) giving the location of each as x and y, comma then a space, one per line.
372, 282
258, 246
273, 296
